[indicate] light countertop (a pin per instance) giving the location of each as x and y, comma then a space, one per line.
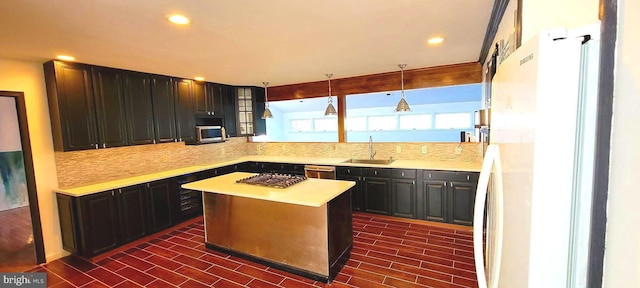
129, 181
310, 192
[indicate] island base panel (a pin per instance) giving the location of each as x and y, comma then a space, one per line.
294, 238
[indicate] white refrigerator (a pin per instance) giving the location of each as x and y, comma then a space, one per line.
543, 116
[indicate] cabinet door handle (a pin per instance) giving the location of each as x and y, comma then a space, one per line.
402, 174
348, 171
213, 113
180, 140
175, 140
429, 175
112, 193
375, 172
445, 184
148, 185
467, 177
104, 145
154, 141
96, 145
119, 191
414, 182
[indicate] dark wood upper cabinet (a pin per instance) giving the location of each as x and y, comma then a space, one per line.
260, 125
200, 102
109, 97
185, 122
139, 107
163, 109
71, 106
229, 110
214, 99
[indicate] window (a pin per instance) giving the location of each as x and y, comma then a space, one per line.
325, 124
415, 122
356, 124
382, 123
301, 125
453, 120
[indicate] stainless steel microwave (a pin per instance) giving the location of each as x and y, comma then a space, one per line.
209, 134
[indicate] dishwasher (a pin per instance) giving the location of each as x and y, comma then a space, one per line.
320, 172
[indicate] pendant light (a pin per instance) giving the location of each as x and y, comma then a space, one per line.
330, 109
267, 113
402, 106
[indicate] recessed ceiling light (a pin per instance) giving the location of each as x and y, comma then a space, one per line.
198, 78
435, 40
66, 58
178, 19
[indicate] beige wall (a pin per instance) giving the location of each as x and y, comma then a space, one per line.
622, 254
545, 14
28, 77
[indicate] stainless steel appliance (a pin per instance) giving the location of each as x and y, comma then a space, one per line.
210, 134
320, 172
273, 180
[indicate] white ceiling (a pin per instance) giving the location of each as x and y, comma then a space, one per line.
246, 42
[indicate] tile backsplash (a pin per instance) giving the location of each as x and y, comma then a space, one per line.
469, 152
93, 166
86, 167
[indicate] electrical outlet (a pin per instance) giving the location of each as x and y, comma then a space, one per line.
424, 149
398, 149
458, 150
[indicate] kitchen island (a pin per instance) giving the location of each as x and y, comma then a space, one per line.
304, 229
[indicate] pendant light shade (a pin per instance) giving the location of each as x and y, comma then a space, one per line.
330, 109
402, 106
267, 113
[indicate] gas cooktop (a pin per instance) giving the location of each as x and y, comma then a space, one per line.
273, 180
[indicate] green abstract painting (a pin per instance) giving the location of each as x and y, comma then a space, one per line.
13, 191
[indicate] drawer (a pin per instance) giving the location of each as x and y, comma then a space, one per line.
404, 173
450, 175
376, 172
354, 171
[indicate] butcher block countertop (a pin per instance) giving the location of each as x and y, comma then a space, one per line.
310, 192
405, 164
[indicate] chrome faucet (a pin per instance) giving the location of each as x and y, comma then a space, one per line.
371, 152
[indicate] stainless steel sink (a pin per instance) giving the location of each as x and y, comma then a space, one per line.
370, 161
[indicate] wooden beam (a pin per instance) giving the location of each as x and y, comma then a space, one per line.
458, 74
342, 114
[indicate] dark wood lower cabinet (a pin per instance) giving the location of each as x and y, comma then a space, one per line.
435, 200
403, 198
450, 196
463, 196
356, 192
376, 195
99, 222
132, 210
99, 225
160, 208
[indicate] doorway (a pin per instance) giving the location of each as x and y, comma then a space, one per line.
21, 244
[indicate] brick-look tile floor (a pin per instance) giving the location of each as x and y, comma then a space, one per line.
386, 253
